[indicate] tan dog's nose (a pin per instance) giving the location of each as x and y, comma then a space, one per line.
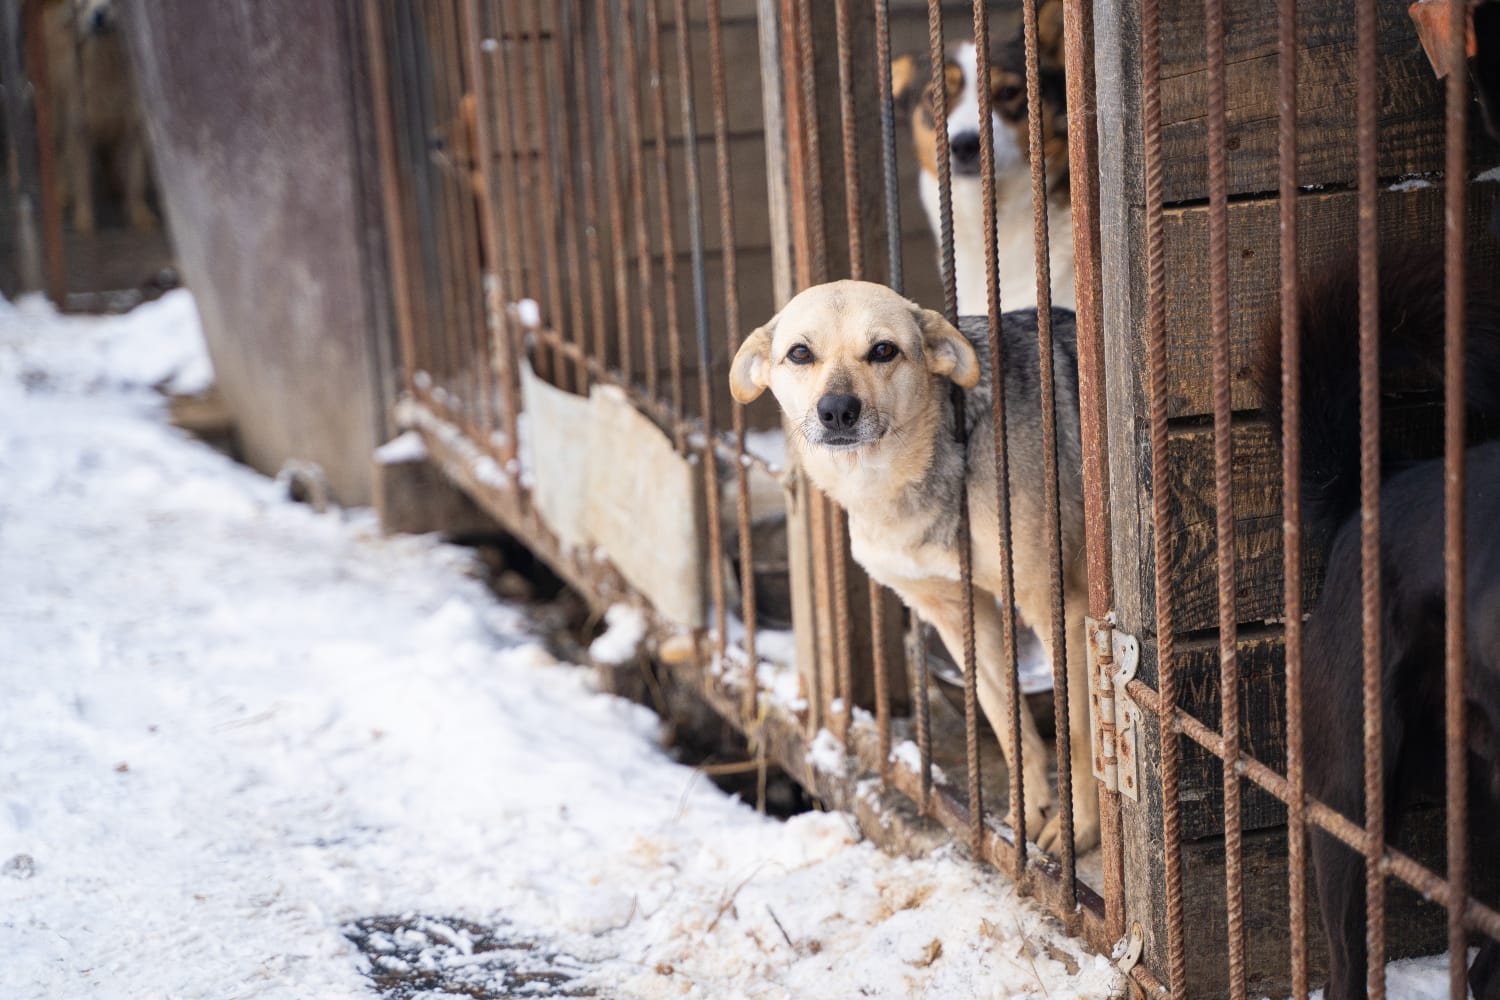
839, 413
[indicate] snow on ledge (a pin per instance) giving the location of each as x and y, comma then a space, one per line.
625, 630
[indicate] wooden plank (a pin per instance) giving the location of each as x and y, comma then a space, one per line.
1258, 530
1411, 217
1410, 118
1263, 724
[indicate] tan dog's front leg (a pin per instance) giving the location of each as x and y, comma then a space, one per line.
1080, 723
137, 171
941, 603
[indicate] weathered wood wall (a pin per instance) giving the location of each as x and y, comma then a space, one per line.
1411, 199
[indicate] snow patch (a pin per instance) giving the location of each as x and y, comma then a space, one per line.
625, 630
407, 447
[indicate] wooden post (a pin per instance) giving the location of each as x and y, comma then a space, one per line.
21, 171
46, 151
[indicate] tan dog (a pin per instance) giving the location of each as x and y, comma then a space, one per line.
95, 114
863, 376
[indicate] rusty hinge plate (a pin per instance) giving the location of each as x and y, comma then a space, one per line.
1114, 718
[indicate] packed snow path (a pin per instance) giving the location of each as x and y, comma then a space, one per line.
236, 736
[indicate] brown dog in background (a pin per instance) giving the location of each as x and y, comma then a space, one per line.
95, 113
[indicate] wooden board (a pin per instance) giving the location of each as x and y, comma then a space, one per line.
1410, 117
1326, 229
557, 453
644, 508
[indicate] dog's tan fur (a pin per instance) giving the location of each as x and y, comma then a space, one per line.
906, 403
95, 113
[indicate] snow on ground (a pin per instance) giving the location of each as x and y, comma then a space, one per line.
236, 734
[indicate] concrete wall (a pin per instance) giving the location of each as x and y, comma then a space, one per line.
255, 113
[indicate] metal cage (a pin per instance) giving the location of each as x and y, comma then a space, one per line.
589, 204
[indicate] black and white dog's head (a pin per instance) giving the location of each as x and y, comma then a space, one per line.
911, 76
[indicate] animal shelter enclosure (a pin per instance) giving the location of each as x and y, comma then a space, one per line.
590, 206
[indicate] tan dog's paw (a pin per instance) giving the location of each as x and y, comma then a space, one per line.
1085, 834
1036, 818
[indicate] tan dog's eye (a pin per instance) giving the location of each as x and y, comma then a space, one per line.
800, 354
884, 351
1008, 94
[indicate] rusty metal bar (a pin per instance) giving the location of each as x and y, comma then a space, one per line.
1224, 536
1156, 352
1369, 464
664, 204
457, 186
563, 182
1060, 694
635, 144
466, 41
891, 184
964, 538
390, 191
914, 648
1083, 177
587, 177
1454, 482
517, 220
445, 222
892, 206
1006, 596
546, 200
700, 317
729, 259
1291, 491
839, 522
612, 186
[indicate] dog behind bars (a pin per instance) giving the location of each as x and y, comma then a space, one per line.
864, 378
1015, 244
1411, 620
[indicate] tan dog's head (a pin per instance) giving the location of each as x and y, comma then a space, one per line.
852, 361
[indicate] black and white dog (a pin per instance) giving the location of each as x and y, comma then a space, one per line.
1412, 579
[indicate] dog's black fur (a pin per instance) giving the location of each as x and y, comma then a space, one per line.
1412, 577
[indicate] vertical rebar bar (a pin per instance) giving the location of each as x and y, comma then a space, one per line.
1161, 514
587, 178
613, 186
729, 258
664, 205
1060, 694
1369, 464
1291, 490
546, 200
1008, 664
700, 320
635, 143
1083, 184
963, 540
1454, 481
1224, 550
576, 142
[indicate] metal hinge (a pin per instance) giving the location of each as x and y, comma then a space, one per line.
1115, 718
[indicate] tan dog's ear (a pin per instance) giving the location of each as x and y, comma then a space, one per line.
906, 82
751, 370
948, 352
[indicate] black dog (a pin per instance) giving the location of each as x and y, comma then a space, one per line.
1412, 568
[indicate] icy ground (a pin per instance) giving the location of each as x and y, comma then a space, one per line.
238, 737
